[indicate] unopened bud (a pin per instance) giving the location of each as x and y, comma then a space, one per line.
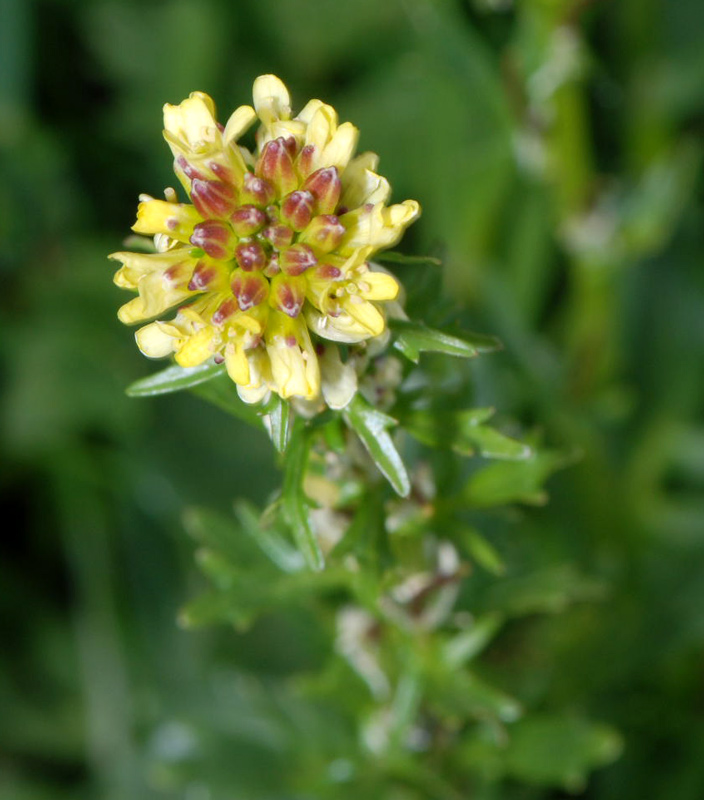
247, 220
188, 169
250, 256
279, 235
324, 233
257, 191
297, 259
213, 198
328, 272
224, 311
325, 184
272, 268
297, 209
203, 276
250, 288
216, 238
304, 163
276, 166
288, 294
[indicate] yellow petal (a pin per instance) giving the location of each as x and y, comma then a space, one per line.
341, 147
365, 314
197, 348
271, 99
176, 220
377, 286
338, 380
236, 363
192, 122
157, 340
361, 185
240, 120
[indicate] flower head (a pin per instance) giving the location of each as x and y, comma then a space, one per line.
272, 255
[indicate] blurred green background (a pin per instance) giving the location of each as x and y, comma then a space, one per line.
556, 148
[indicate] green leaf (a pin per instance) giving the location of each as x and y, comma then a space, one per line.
294, 501
546, 591
371, 426
549, 750
276, 419
222, 393
482, 551
277, 549
390, 257
465, 432
174, 379
464, 646
508, 482
414, 338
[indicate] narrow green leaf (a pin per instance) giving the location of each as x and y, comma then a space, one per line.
482, 551
507, 482
371, 426
295, 503
414, 338
390, 257
466, 645
278, 550
222, 393
174, 379
277, 415
464, 432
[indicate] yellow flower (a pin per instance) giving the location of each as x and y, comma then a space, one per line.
272, 254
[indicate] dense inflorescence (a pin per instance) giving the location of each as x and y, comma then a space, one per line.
269, 265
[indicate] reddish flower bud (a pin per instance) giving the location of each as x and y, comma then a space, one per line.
304, 163
216, 238
224, 311
250, 288
324, 233
276, 166
328, 272
288, 294
203, 275
279, 235
272, 268
247, 220
213, 198
297, 259
188, 169
297, 209
257, 191
325, 184
250, 256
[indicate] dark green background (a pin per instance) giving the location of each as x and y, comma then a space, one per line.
590, 270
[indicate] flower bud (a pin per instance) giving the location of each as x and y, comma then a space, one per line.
297, 209
250, 256
324, 233
304, 163
288, 294
247, 220
272, 268
216, 238
203, 275
276, 166
224, 311
297, 259
325, 184
279, 235
213, 198
250, 288
257, 191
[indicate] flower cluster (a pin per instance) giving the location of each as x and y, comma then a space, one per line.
269, 263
